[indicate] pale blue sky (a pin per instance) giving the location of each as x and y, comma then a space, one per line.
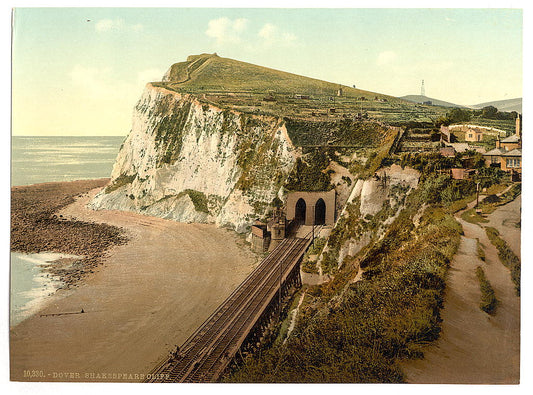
80, 71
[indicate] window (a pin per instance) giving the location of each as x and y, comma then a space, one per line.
513, 162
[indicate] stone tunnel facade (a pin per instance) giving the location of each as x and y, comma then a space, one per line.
310, 208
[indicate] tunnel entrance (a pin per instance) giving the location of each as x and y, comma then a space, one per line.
320, 212
301, 208
308, 208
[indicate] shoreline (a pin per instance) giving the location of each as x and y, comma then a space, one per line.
143, 298
37, 226
27, 300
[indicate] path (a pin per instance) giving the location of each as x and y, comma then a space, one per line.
474, 347
507, 220
151, 294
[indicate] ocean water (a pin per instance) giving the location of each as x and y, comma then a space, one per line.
30, 284
57, 158
45, 159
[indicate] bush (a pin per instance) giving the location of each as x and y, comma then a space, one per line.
488, 299
480, 251
198, 199
309, 174
472, 216
507, 256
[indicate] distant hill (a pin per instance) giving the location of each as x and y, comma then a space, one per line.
503, 105
436, 102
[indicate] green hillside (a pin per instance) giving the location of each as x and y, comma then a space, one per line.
423, 99
213, 73
255, 89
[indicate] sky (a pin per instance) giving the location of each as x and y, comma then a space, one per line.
80, 71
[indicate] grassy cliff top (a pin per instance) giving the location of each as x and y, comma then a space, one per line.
208, 72
256, 89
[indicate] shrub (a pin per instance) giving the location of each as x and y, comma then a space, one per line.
488, 298
480, 251
309, 174
198, 199
472, 216
507, 256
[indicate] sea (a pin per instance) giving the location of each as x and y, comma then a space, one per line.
59, 158
46, 159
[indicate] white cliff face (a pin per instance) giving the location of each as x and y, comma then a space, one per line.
192, 162
375, 191
379, 199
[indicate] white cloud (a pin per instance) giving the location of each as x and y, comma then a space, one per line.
268, 31
234, 31
225, 30
107, 25
271, 34
386, 57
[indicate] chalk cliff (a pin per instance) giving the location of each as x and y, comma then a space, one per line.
217, 140
190, 161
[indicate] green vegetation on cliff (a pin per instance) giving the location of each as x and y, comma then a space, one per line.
120, 181
309, 173
340, 132
169, 130
358, 331
198, 199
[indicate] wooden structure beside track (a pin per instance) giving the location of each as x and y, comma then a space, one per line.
239, 321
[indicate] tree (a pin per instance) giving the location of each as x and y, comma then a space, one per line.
489, 112
459, 115
442, 120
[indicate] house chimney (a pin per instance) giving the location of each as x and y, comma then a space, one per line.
518, 125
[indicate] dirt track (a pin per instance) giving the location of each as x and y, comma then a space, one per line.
148, 296
474, 347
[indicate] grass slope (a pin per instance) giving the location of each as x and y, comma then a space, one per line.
212, 72
250, 88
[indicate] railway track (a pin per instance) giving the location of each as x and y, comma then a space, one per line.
207, 352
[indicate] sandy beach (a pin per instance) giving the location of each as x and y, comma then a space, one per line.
143, 298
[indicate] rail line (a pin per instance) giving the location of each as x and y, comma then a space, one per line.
210, 349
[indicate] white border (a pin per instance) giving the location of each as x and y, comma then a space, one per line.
81, 389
